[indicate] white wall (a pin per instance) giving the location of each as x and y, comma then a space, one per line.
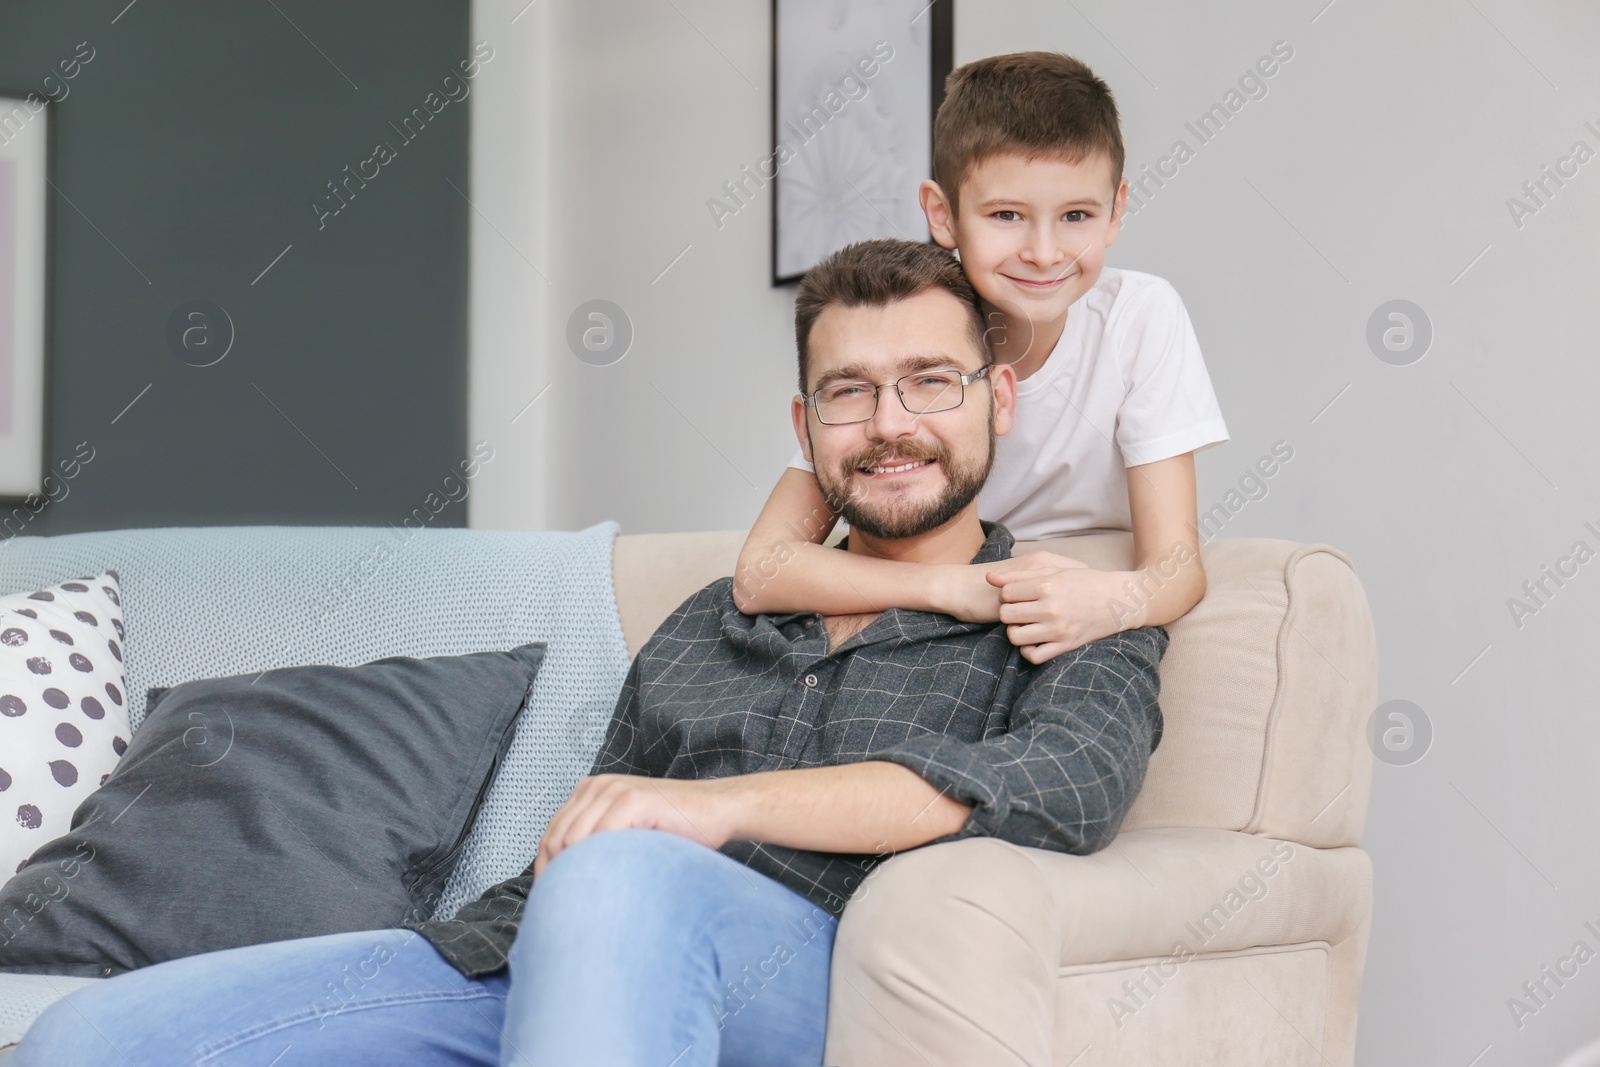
643, 121
1377, 167
511, 294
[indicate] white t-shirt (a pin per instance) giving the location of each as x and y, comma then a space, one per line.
1125, 385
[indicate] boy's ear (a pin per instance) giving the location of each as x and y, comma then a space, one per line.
941, 216
1003, 380
1119, 207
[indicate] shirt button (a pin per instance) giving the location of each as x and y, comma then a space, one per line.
811, 681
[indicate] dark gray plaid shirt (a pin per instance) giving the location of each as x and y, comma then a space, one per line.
1050, 756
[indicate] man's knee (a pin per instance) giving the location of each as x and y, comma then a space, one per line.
642, 845
623, 883
627, 858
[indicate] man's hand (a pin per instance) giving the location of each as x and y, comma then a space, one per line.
698, 810
1052, 604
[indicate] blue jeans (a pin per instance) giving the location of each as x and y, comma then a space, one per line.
638, 948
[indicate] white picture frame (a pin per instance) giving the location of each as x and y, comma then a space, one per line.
25, 139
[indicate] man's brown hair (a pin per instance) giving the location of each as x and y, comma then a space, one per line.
877, 273
1040, 104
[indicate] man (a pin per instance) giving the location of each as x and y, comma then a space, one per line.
682, 906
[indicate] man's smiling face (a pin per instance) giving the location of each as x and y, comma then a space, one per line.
898, 475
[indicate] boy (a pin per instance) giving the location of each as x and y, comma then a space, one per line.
1113, 395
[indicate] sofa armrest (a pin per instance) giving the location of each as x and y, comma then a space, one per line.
1209, 890
962, 947
1150, 890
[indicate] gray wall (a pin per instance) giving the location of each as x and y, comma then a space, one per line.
1377, 167
189, 152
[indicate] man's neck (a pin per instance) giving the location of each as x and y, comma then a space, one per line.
1020, 342
957, 541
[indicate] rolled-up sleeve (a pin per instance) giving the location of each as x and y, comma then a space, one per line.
1065, 773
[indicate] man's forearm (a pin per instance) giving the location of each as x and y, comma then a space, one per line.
869, 807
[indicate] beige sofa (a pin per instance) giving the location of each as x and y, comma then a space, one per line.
1228, 922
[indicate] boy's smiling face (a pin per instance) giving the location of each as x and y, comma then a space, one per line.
1032, 232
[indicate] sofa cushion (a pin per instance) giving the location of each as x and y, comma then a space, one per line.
290, 803
63, 709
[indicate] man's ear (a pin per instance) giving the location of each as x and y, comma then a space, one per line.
1119, 207
941, 215
1003, 380
797, 413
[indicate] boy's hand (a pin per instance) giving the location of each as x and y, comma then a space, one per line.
1052, 604
695, 809
966, 592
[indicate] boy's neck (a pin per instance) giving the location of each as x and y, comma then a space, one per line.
1040, 339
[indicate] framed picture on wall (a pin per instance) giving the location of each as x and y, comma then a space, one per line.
854, 89
24, 206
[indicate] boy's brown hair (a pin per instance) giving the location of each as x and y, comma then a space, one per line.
877, 273
1041, 104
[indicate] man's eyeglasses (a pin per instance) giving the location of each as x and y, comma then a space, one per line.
921, 393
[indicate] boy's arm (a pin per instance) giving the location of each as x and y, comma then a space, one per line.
784, 567
1053, 605
1168, 576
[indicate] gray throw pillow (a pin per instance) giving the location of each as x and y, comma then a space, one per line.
302, 801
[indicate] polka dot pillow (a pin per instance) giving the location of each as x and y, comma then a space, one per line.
63, 718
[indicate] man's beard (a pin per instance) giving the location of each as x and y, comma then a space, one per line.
899, 520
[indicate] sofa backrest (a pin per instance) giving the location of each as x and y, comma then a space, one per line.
1266, 687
